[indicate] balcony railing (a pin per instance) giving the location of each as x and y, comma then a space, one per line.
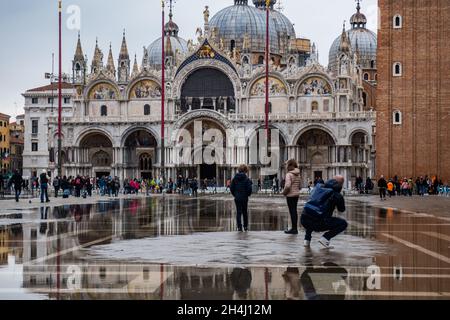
328, 116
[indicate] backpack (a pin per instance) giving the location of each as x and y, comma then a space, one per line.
320, 203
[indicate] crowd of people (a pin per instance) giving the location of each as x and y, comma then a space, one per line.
421, 186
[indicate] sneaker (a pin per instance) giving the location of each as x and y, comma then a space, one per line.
292, 231
246, 229
239, 229
307, 243
326, 243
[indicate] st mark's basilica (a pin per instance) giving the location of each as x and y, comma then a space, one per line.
112, 113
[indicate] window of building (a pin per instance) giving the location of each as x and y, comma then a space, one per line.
326, 105
372, 64
34, 100
270, 107
147, 110
315, 106
104, 111
260, 60
50, 100
397, 117
398, 21
397, 69
34, 126
364, 96
366, 76
34, 146
66, 100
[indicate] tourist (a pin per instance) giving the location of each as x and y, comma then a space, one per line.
241, 189
390, 188
368, 186
56, 185
43, 182
292, 193
194, 187
16, 181
382, 186
318, 212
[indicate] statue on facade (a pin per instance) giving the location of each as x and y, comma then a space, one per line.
206, 15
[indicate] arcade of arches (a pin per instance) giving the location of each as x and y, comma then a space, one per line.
320, 156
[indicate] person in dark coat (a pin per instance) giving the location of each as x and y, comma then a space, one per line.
17, 181
326, 222
43, 182
241, 189
382, 186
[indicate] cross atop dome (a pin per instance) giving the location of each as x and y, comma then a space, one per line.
358, 20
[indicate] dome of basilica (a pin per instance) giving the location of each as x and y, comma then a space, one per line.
176, 43
361, 39
235, 21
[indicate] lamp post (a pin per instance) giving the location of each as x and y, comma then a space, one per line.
267, 66
163, 93
60, 91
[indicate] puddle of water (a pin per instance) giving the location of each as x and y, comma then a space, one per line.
184, 248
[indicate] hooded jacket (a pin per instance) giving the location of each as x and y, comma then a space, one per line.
241, 187
337, 201
293, 182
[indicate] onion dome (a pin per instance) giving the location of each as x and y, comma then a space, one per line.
362, 40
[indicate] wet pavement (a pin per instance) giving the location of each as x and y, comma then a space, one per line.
183, 248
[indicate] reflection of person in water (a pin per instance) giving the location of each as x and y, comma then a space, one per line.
241, 279
324, 283
292, 281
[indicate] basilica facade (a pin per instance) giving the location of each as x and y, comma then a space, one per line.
112, 120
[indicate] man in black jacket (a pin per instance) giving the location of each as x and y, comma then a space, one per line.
17, 181
325, 221
241, 189
382, 186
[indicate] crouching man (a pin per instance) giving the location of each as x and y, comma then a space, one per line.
318, 213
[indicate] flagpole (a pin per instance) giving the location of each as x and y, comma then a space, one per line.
163, 94
60, 91
267, 67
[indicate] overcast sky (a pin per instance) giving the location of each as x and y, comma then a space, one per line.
29, 34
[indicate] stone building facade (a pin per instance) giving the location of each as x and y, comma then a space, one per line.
323, 118
413, 89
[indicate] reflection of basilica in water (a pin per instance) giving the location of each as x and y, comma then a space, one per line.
324, 114
57, 261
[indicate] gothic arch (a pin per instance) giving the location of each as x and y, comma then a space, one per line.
260, 77
126, 134
139, 80
88, 93
302, 131
202, 113
189, 69
322, 76
92, 130
356, 131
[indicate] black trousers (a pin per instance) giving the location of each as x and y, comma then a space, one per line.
242, 211
382, 193
292, 205
332, 225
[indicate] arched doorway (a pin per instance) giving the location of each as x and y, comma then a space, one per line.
205, 163
208, 88
139, 154
360, 155
316, 150
95, 155
255, 144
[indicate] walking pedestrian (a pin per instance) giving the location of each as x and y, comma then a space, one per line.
382, 186
43, 182
16, 181
241, 189
56, 185
318, 212
292, 193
